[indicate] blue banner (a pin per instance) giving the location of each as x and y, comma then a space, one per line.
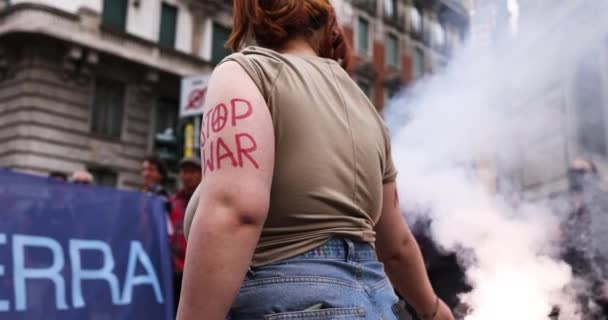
75, 252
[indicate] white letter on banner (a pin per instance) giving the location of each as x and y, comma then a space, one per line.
21, 273
137, 253
105, 273
4, 305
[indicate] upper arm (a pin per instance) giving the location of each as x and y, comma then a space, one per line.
392, 231
237, 145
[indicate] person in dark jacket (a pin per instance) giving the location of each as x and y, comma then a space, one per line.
190, 177
581, 231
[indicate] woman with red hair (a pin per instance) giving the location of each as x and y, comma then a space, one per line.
297, 215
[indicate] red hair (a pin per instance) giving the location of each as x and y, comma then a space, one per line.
274, 22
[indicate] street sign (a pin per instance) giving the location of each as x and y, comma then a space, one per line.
193, 95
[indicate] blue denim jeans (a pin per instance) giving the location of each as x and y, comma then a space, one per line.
341, 279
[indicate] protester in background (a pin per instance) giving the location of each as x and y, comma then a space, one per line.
298, 204
189, 177
58, 175
154, 174
82, 177
581, 249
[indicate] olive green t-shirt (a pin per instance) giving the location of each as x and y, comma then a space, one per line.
332, 154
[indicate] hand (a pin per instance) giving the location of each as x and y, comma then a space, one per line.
604, 291
462, 310
444, 312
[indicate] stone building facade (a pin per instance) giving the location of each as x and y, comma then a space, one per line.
89, 84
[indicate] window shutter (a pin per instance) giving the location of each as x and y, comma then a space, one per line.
220, 37
108, 108
392, 50
363, 40
114, 14
168, 26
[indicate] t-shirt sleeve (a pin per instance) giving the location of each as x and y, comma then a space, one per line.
263, 70
390, 171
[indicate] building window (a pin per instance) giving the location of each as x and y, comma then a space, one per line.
168, 26
366, 87
114, 14
220, 37
104, 176
4, 4
451, 40
415, 21
392, 50
108, 107
363, 37
390, 8
166, 115
168, 140
438, 35
419, 63
590, 109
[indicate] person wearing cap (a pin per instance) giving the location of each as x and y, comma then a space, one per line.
189, 176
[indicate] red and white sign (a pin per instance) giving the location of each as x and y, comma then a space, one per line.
193, 95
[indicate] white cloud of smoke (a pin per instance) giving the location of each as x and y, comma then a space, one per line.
480, 108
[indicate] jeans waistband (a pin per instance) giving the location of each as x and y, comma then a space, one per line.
341, 249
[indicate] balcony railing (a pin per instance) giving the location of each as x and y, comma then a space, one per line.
369, 6
219, 2
366, 69
417, 35
210, 5
457, 6
444, 49
396, 21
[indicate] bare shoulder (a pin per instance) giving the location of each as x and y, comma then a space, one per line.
230, 73
227, 67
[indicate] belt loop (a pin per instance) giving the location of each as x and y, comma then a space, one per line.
350, 249
250, 272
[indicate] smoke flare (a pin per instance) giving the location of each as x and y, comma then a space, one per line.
459, 131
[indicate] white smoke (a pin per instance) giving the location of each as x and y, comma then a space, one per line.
452, 131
